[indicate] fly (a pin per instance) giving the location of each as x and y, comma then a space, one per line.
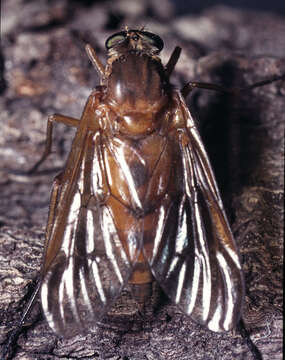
137, 200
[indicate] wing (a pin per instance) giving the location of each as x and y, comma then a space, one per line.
86, 265
194, 257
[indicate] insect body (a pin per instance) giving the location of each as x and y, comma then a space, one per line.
137, 201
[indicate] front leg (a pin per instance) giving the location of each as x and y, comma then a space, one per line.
185, 91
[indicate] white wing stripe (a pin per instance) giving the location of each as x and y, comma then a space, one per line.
181, 279
98, 282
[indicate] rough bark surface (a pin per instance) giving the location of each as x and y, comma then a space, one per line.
44, 69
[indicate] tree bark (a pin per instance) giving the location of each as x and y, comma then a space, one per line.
46, 70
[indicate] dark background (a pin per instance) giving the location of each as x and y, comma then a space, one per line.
277, 6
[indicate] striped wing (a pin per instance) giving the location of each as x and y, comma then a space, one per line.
91, 266
194, 258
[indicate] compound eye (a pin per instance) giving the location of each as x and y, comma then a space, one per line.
115, 39
152, 39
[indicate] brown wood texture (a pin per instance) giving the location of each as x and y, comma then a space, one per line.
45, 70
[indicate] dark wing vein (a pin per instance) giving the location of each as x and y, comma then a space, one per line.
195, 258
91, 266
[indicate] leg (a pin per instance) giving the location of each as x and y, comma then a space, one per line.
185, 91
264, 82
10, 343
95, 61
169, 67
234, 91
55, 194
58, 118
246, 337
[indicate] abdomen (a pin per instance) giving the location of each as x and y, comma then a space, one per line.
141, 182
